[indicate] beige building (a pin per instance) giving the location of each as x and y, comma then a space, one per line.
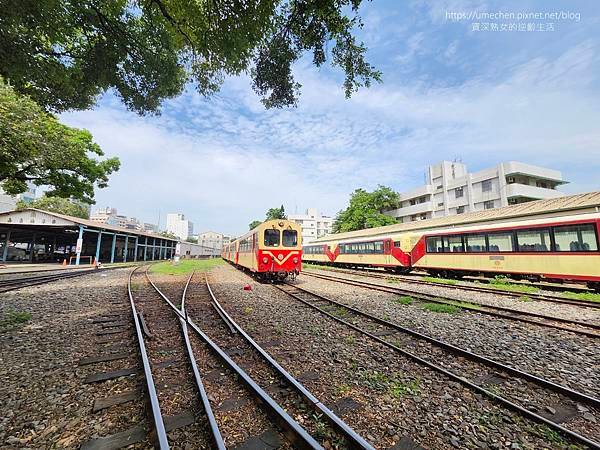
314, 225
9, 202
213, 239
450, 189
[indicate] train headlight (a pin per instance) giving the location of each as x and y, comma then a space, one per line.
295, 260
280, 257
281, 224
265, 260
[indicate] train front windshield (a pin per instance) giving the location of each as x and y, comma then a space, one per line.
290, 238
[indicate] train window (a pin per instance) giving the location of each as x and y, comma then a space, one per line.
290, 238
453, 244
434, 244
475, 243
397, 244
500, 242
533, 240
272, 238
575, 238
379, 247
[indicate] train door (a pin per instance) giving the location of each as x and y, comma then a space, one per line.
387, 250
254, 252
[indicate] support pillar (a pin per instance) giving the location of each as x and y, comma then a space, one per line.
153, 247
112, 250
32, 248
5, 250
137, 239
126, 249
78, 255
98, 244
146, 249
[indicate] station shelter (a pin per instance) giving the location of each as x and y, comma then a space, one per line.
36, 236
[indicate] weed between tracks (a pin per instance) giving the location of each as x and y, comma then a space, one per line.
440, 308
439, 280
404, 300
587, 296
13, 318
393, 385
502, 283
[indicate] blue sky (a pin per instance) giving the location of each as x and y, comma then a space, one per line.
449, 91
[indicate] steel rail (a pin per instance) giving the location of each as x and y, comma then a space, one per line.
501, 400
497, 311
414, 279
292, 429
353, 438
564, 390
161, 434
217, 438
12, 285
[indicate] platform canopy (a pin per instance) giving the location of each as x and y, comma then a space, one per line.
35, 235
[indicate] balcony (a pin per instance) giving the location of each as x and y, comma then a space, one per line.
532, 192
410, 210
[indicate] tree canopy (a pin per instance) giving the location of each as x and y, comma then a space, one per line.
64, 54
35, 147
365, 210
276, 213
254, 224
58, 205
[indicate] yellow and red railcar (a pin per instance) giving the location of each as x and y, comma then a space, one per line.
555, 239
271, 251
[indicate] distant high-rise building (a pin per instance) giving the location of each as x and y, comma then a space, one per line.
314, 225
9, 202
179, 226
109, 216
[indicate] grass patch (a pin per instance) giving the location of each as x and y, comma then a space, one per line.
186, 266
12, 318
439, 280
441, 308
586, 296
398, 389
350, 340
404, 300
524, 298
502, 283
466, 305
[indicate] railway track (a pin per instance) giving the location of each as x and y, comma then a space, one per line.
22, 282
159, 322
573, 326
415, 279
514, 389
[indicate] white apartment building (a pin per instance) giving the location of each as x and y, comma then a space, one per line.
213, 239
314, 225
109, 216
179, 226
9, 202
450, 189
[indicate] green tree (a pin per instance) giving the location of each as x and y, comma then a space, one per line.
254, 224
192, 240
365, 210
276, 213
65, 54
168, 234
35, 147
58, 205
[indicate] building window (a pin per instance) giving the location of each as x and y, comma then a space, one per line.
460, 210
489, 204
458, 192
486, 186
511, 180
441, 204
413, 202
439, 186
541, 184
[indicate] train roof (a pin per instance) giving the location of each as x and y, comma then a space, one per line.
588, 202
